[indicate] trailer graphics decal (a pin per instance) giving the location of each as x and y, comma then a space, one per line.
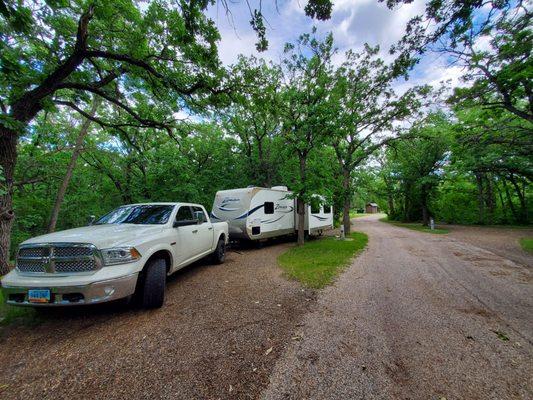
269, 221
283, 208
248, 213
227, 202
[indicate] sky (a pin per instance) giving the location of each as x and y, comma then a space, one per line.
353, 23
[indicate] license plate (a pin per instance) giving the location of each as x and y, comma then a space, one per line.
39, 296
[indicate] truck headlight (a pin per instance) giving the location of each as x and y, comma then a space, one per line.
120, 255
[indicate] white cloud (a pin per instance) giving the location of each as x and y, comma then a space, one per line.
353, 23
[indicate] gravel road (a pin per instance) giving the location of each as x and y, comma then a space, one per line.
417, 316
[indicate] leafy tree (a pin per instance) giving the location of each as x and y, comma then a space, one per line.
254, 116
144, 65
418, 164
500, 73
78, 147
444, 20
493, 146
305, 108
367, 110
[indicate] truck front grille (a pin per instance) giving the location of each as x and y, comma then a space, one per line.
58, 258
30, 266
75, 266
34, 251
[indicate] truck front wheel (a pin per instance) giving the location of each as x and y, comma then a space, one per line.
153, 288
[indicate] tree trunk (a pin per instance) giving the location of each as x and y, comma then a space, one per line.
489, 198
300, 204
502, 202
425, 211
390, 201
263, 170
346, 201
390, 198
300, 209
70, 168
510, 200
8, 159
480, 202
522, 198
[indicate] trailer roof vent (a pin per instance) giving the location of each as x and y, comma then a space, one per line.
283, 188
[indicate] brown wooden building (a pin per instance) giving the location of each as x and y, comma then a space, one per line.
372, 208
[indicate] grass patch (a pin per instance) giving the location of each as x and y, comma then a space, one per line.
10, 314
317, 263
527, 244
415, 226
357, 215
353, 214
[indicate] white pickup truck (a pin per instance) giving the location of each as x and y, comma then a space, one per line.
127, 252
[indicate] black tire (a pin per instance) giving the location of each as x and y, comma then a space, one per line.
219, 255
153, 287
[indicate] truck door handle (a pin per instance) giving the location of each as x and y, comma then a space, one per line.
210, 228
195, 231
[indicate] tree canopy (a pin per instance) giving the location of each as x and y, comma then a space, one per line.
104, 103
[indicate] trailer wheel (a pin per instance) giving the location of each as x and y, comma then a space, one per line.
219, 255
153, 287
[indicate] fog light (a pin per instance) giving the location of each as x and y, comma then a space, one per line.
109, 290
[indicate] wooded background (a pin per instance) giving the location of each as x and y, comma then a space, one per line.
105, 103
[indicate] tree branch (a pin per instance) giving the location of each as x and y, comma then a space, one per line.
29, 104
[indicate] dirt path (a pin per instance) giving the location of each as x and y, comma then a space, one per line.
502, 241
208, 341
417, 316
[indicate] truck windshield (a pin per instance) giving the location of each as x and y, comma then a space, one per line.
140, 214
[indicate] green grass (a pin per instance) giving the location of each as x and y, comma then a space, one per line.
356, 215
10, 314
415, 226
527, 244
318, 262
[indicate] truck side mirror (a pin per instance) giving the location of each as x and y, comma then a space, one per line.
91, 219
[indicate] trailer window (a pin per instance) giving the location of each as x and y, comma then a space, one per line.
199, 214
269, 207
327, 208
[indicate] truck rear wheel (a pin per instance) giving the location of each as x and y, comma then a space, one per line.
153, 288
219, 255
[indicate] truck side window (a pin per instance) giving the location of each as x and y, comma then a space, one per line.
269, 207
327, 208
199, 214
184, 214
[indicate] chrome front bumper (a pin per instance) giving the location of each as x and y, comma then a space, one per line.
97, 292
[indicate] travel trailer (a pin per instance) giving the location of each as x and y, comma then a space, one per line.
318, 216
256, 213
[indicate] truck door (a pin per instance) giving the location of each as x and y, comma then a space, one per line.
204, 239
187, 233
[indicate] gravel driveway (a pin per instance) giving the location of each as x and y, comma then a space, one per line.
209, 341
417, 316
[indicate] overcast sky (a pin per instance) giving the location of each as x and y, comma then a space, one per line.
353, 23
